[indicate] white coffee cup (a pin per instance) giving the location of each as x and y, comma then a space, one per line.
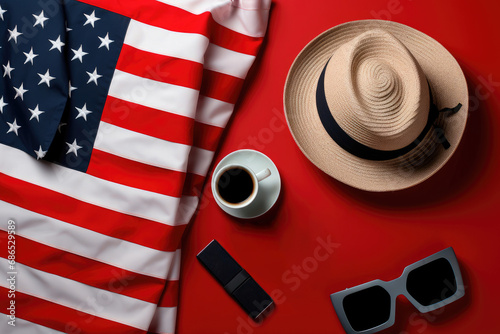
224, 178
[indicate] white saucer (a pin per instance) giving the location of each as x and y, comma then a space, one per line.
269, 188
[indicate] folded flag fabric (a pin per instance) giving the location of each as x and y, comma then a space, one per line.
110, 113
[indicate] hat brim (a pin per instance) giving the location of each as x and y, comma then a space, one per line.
446, 81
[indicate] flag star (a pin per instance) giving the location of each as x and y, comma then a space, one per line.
73, 147
7, 69
40, 19
83, 112
93, 76
13, 127
68, 29
35, 113
14, 34
79, 54
45, 78
57, 44
2, 104
20, 92
91, 19
30, 56
40, 154
2, 11
105, 41
71, 88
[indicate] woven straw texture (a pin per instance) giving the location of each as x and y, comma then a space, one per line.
377, 88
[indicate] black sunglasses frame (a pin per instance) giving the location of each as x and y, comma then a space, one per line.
398, 287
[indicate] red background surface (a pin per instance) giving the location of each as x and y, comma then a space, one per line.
378, 234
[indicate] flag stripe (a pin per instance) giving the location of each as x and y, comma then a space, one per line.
193, 185
89, 244
249, 12
162, 68
65, 319
135, 174
174, 270
38, 199
214, 112
108, 305
145, 120
166, 42
170, 295
229, 62
25, 327
150, 178
179, 72
142, 148
176, 19
154, 94
84, 270
92, 190
199, 161
164, 320
207, 136
221, 86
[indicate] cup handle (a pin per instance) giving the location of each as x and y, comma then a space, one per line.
264, 174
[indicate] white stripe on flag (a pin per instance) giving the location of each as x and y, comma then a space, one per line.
77, 240
142, 148
213, 112
196, 6
154, 94
101, 303
89, 189
199, 161
165, 42
248, 17
226, 61
187, 207
175, 267
25, 327
164, 320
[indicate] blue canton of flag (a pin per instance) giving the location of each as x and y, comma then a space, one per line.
58, 59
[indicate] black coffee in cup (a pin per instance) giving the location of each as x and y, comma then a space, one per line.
235, 185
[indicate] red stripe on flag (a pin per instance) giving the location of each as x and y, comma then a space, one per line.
193, 185
162, 68
84, 270
152, 122
207, 136
169, 17
118, 225
221, 86
174, 128
233, 40
63, 319
170, 295
135, 174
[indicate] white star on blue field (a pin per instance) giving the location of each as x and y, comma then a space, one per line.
57, 66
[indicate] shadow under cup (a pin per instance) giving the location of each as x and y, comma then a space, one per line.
236, 186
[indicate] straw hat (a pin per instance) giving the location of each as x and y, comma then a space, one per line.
376, 104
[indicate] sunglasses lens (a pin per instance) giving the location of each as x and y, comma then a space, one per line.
432, 282
367, 308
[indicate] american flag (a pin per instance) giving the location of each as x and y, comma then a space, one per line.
110, 113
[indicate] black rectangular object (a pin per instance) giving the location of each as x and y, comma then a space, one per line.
235, 280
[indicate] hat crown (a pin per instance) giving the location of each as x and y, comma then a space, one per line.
377, 92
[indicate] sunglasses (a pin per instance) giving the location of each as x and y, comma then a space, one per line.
428, 284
